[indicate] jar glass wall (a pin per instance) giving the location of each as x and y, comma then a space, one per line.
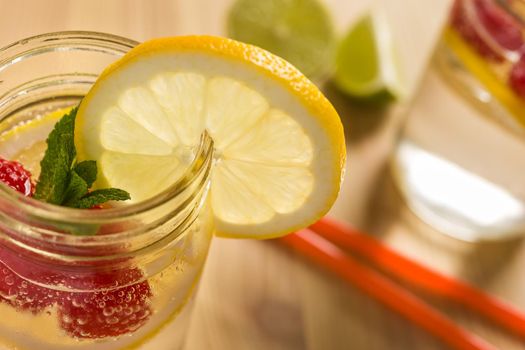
90, 279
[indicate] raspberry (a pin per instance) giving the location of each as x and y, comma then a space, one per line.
14, 290
24, 295
517, 77
494, 22
83, 314
15, 176
94, 315
90, 315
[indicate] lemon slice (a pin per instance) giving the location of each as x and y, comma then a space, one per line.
26, 142
279, 143
365, 60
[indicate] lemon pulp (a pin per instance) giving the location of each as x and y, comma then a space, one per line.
279, 143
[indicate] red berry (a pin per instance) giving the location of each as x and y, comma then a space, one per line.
94, 315
15, 176
16, 272
486, 21
499, 24
22, 294
14, 290
517, 77
99, 309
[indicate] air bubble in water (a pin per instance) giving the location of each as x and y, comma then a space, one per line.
112, 320
82, 320
67, 319
108, 311
128, 311
9, 280
76, 303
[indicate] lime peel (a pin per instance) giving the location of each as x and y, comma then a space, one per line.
300, 31
366, 62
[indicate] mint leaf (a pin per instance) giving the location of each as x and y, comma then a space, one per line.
57, 162
101, 196
65, 182
76, 189
82, 230
87, 170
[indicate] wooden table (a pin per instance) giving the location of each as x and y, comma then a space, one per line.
256, 295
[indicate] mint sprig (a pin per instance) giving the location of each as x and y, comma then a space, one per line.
101, 196
65, 182
87, 170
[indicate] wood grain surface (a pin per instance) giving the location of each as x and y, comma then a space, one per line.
256, 295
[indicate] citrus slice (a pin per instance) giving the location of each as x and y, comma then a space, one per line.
26, 142
300, 31
279, 143
487, 76
365, 60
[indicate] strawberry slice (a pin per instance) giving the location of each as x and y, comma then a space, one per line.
94, 315
486, 27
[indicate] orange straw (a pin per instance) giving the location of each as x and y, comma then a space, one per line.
332, 257
417, 275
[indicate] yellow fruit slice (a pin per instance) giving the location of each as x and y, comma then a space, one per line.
486, 76
26, 142
279, 143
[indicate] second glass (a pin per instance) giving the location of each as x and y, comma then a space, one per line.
460, 157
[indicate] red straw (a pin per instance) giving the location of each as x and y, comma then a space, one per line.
332, 257
411, 272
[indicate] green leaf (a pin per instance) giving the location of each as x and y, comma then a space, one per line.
77, 188
87, 171
101, 196
57, 162
78, 229
64, 182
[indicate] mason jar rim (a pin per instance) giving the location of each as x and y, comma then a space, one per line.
54, 39
25, 48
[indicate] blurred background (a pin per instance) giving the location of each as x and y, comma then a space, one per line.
379, 64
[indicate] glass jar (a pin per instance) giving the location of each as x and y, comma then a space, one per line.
90, 279
460, 157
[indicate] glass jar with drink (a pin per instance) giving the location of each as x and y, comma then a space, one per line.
460, 155
89, 279
200, 135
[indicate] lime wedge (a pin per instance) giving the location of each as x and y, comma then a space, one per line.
365, 60
299, 31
